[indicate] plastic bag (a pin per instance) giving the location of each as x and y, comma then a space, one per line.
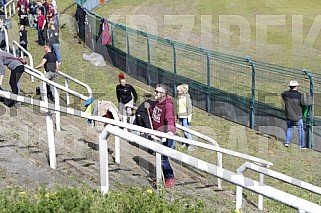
95, 59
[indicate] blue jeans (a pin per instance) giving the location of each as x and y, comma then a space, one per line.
57, 52
184, 122
166, 166
289, 131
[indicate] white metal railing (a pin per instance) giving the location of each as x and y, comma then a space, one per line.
237, 179
10, 7
141, 129
276, 175
210, 140
288, 199
23, 51
57, 99
51, 141
67, 77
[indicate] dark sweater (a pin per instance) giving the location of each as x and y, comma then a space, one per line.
124, 93
294, 102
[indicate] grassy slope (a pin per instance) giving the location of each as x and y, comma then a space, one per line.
292, 161
285, 51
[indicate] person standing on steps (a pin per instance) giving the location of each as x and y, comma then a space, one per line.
294, 103
184, 112
124, 93
50, 63
163, 119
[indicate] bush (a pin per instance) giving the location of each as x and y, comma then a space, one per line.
88, 200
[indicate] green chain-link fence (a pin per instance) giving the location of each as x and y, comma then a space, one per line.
239, 89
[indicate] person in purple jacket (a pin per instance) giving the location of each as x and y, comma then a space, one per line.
163, 119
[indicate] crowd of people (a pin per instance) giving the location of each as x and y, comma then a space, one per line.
157, 114
160, 114
41, 16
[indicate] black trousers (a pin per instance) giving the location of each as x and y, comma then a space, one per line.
42, 36
15, 77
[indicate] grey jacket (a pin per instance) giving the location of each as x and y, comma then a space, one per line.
9, 60
294, 102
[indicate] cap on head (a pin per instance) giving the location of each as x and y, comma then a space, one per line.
293, 84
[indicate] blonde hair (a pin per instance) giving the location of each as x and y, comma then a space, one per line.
183, 87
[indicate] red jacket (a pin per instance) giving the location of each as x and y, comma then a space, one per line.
41, 20
22, 2
163, 116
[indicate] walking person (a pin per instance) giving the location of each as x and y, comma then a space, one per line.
184, 112
54, 39
294, 104
163, 119
50, 63
16, 68
125, 93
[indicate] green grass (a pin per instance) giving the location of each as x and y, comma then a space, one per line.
88, 200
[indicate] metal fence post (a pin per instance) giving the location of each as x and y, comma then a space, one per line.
112, 36
127, 40
310, 120
252, 118
174, 69
148, 61
208, 95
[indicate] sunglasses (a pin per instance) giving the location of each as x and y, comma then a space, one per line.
156, 91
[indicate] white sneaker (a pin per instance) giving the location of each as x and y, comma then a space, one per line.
183, 146
190, 148
303, 148
286, 145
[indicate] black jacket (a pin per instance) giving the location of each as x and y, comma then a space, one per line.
124, 93
294, 102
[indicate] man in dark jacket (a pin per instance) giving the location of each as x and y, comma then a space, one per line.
163, 119
294, 103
